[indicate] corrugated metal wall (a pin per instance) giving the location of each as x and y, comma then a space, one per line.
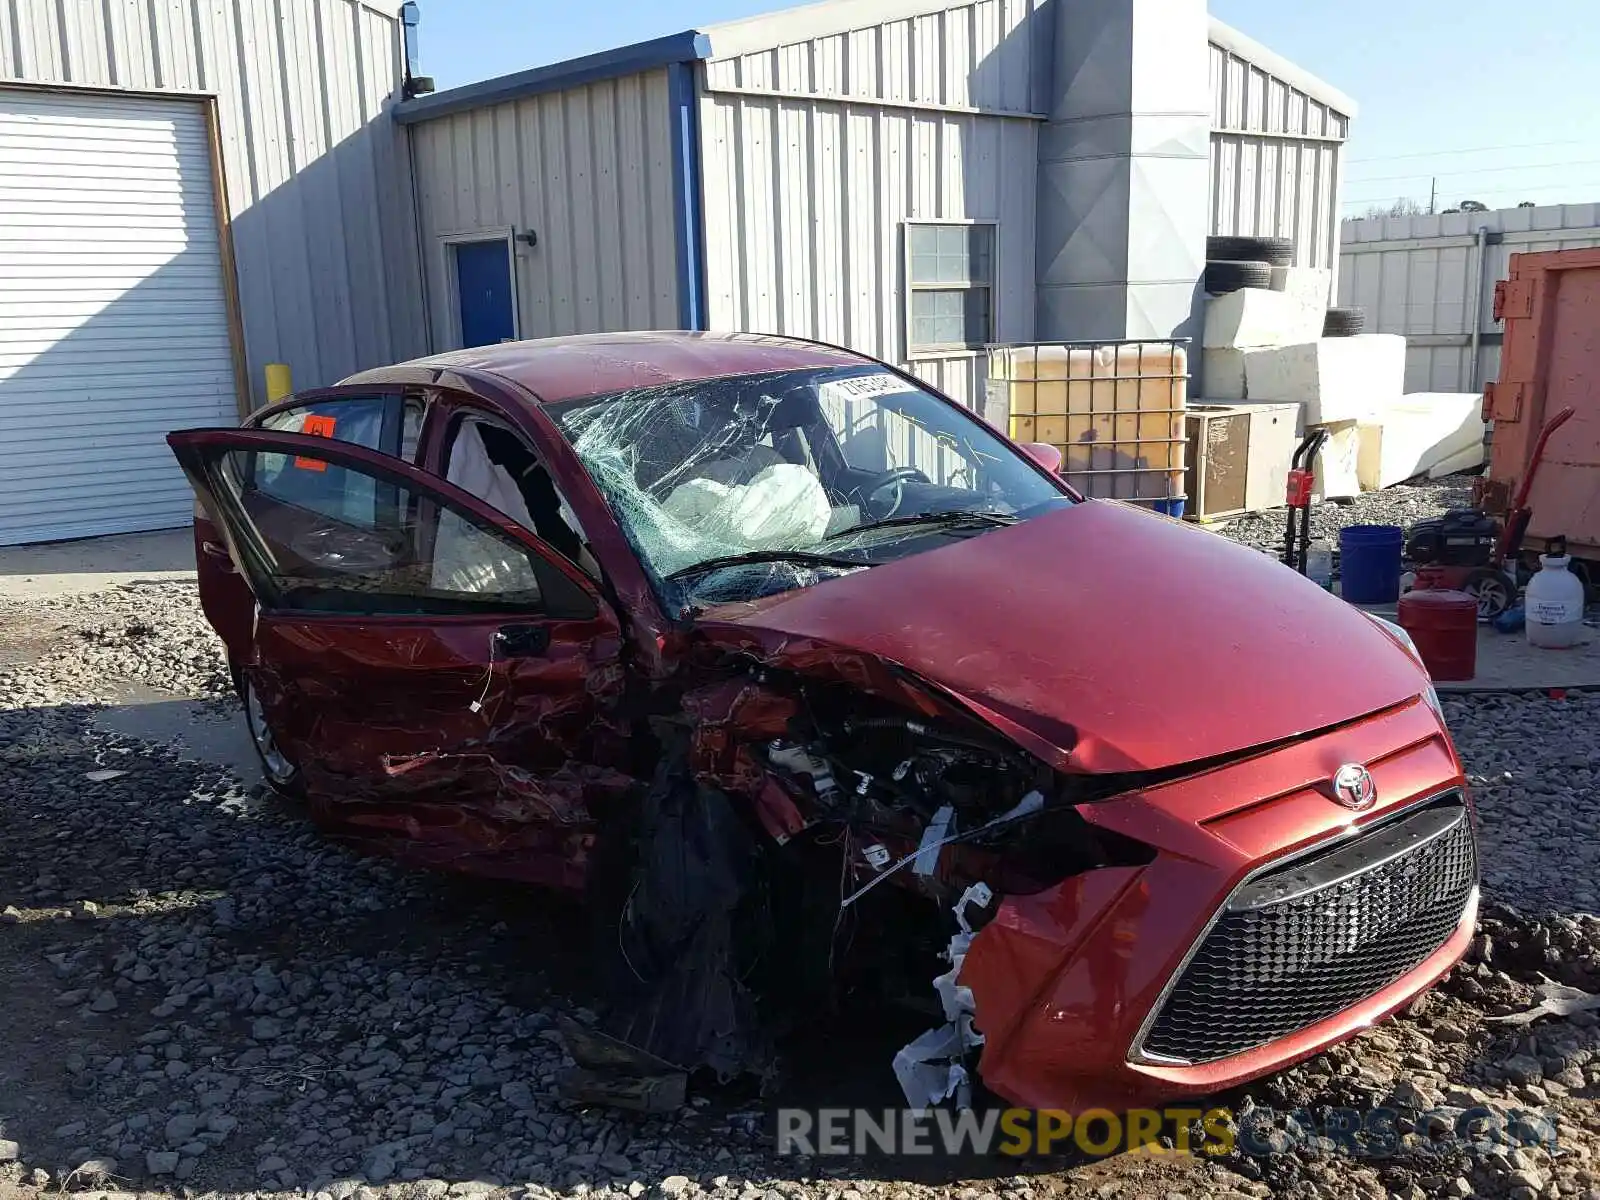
316, 173
815, 154
1420, 276
589, 171
1275, 159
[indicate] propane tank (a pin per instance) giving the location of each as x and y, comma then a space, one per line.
1554, 605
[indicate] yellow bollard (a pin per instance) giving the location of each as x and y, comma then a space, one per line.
279, 384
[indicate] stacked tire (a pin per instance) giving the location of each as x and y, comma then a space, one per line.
1244, 262
1344, 322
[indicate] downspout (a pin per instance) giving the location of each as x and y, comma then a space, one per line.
410, 19
687, 209
422, 250
1480, 241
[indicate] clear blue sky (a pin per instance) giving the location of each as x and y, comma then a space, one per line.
1494, 98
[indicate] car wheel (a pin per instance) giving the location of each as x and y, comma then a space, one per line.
281, 774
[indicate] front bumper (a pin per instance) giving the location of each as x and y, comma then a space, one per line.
1069, 984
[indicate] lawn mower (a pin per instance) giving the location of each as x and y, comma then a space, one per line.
1468, 550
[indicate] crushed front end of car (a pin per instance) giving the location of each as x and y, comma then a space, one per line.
827, 825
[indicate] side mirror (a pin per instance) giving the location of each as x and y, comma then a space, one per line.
1048, 457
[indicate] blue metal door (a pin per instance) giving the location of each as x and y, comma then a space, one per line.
483, 290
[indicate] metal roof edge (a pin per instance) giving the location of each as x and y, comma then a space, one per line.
767, 31
1275, 64
689, 46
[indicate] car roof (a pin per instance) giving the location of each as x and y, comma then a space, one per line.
567, 368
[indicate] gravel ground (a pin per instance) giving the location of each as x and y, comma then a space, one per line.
202, 996
1400, 505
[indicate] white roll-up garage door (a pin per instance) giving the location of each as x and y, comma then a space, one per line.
113, 315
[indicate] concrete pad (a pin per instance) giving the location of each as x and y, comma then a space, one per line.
93, 564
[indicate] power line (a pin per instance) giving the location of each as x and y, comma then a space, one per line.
1582, 162
1469, 150
1477, 194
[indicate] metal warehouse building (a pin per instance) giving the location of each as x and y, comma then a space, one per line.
191, 189
188, 191
911, 178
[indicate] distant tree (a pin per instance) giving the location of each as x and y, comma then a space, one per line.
1527, 204
1400, 208
1473, 206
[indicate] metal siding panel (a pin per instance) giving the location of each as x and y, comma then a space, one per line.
958, 56
634, 198
828, 236
792, 190
40, 51
534, 275
895, 61
794, 67
565, 214
608, 206
927, 59
718, 178
660, 134
861, 63
827, 64
85, 44
758, 153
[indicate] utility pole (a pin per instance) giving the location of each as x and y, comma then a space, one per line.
1433, 196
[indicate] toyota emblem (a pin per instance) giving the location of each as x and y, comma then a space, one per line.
1353, 787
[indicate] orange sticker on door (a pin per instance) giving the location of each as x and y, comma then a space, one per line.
317, 425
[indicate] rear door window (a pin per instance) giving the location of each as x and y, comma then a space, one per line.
389, 424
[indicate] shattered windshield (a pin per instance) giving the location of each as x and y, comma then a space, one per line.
741, 486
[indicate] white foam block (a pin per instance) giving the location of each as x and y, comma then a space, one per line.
1222, 373
1311, 286
1337, 379
1418, 432
1338, 462
1258, 317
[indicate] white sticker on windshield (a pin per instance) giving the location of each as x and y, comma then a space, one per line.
861, 387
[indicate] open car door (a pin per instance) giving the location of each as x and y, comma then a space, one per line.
433, 675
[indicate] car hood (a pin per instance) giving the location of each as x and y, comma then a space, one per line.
1118, 639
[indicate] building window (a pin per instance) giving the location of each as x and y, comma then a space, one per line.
950, 287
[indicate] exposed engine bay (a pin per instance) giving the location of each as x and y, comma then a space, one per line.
881, 841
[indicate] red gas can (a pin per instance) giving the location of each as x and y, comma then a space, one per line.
1444, 625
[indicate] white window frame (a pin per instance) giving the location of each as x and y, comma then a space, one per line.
447, 249
916, 353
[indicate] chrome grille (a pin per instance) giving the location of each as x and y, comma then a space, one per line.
1304, 941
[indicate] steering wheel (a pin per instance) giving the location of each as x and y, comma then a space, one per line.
895, 477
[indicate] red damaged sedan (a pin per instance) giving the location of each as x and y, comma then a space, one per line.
813, 684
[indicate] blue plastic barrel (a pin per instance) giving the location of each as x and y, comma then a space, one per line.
1369, 563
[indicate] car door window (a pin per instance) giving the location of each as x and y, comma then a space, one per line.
373, 545
389, 424
495, 463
